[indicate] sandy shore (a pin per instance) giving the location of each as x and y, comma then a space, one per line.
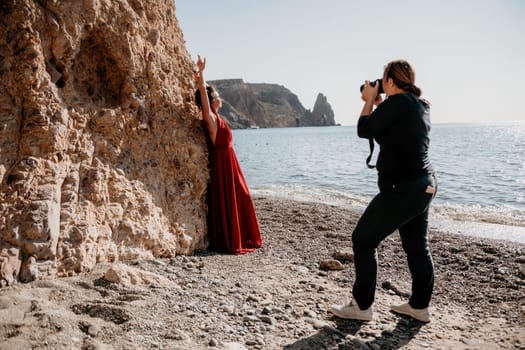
277, 297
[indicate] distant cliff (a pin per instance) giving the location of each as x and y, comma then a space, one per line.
248, 105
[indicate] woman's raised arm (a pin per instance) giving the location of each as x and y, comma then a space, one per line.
207, 115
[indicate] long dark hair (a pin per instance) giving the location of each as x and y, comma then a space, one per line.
403, 76
210, 90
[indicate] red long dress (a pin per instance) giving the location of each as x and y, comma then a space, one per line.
233, 226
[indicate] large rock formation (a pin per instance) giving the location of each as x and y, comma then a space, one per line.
102, 157
248, 105
322, 114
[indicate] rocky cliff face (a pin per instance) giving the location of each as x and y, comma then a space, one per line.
268, 106
102, 157
322, 114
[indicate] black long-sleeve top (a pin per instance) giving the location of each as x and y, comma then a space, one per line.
400, 125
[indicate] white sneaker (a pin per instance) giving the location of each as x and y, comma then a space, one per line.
405, 309
351, 311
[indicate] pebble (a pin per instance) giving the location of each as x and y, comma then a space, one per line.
260, 341
309, 313
234, 346
403, 322
318, 324
250, 318
267, 319
253, 298
229, 309
468, 342
266, 302
266, 310
93, 330
331, 264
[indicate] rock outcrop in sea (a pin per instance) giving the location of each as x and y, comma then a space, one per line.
247, 105
102, 155
322, 114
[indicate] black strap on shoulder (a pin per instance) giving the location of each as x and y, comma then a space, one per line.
369, 158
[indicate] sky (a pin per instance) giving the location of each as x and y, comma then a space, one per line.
469, 55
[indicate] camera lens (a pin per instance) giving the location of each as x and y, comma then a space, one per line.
373, 83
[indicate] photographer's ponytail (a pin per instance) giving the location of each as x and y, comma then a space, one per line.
414, 89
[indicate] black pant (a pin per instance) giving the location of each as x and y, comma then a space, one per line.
402, 206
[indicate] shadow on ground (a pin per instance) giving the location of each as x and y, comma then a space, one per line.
347, 336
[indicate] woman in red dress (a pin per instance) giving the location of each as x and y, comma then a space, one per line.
233, 226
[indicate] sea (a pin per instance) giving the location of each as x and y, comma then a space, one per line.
480, 170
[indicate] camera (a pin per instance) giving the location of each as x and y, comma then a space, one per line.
372, 84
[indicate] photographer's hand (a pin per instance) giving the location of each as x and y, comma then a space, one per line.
370, 95
370, 92
377, 101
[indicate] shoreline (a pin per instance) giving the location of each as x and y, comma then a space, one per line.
439, 221
278, 296
485, 230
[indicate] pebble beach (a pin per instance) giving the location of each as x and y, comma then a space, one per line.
278, 296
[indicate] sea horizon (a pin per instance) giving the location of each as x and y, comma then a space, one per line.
466, 123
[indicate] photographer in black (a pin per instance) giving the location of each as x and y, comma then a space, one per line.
400, 125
